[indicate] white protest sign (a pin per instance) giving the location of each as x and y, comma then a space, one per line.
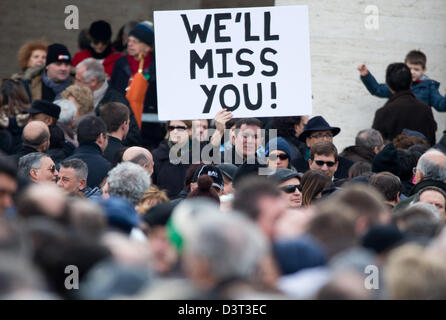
253, 61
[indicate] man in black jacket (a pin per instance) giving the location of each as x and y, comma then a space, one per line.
90, 73
403, 110
92, 137
116, 118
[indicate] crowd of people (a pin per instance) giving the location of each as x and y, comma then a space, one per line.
249, 208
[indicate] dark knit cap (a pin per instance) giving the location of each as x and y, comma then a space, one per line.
57, 53
387, 160
42, 106
143, 32
100, 30
281, 145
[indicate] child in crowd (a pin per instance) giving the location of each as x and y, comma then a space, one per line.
423, 88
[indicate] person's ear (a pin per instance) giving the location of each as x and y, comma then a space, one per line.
307, 141
82, 184
33, 174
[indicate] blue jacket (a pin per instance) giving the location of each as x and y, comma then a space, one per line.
426, 91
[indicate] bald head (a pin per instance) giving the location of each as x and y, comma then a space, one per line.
36, 135
140, 156
431, 166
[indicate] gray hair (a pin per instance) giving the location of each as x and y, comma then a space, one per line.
429, 208
28, 162
94, 70
129, 181
80, 168
231, 244
67, 110
369, 139
430, 169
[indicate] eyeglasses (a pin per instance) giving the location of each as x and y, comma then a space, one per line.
291, 188
322, 135
52, 168
179, 128
282, 156
329, 164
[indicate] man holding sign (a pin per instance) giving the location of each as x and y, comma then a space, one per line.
254, 62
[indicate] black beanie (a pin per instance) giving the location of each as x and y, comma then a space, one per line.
387, 160
57, 53
101, 31
143, 32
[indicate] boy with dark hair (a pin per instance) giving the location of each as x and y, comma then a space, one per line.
116, 116
423, 88
389, 186
403, 110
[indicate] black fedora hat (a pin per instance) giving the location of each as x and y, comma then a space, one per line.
42, 106
317, 123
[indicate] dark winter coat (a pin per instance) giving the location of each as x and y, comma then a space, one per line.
114, 145
425, 90
404, 111
152, 132
98, 166
167, 175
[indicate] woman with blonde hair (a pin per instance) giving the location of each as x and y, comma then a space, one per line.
82, 98
169, 173
151, 198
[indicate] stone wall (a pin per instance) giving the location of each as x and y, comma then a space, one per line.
340, 42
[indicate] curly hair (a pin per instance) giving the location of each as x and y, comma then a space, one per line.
27, 49
83, 97
403, 141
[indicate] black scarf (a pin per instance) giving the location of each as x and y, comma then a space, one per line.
102, 55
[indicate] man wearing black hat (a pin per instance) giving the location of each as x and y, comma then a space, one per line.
48, 113
213, 172
100, 47
141, 41
318, 129
49, 83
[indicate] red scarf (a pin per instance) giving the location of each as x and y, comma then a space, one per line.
134, 64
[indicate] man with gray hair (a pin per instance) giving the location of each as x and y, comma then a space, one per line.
430, 172
129, 181
37, 167
368, 143
90, 73
223, 254
73, 178
67, 112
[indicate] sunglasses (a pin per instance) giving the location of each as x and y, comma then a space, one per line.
291, 188
329, 164
52, 168
179, 128
94, 41
282, 156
